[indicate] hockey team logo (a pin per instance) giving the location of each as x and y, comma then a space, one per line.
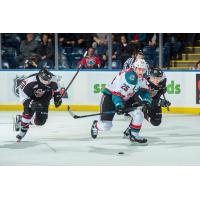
197, 88
17, 81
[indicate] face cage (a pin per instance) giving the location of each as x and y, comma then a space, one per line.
145, 69
43, 80
157, 77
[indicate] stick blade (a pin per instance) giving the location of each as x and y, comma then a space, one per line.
70, 112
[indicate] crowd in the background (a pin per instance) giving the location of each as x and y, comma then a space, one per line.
37, 50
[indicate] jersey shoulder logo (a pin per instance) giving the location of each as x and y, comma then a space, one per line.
132, 77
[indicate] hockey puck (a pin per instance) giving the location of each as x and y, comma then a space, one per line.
120, 152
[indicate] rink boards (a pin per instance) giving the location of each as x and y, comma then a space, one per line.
183, 89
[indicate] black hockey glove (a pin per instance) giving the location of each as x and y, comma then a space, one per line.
57, 99
36, 106
137, 100
146, 102
164, 103
163, 90
120, 109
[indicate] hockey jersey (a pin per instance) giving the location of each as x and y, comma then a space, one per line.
32, 88
125, 85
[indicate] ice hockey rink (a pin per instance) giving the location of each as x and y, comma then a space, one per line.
66, 141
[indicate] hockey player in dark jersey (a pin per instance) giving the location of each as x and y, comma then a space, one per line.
157, 84
35, 93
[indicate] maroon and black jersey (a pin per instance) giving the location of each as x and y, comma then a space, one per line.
32, 89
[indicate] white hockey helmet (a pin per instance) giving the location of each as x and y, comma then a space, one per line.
140, 63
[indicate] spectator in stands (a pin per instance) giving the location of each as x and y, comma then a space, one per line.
152, 39
90, 61
9, 49
174, 42
116, 51
11, 40
28, 49
100, 44
116, 48
46, 52
99, 39
137, 40
67, 39
125, 49
197, 66
66, 42
83, 40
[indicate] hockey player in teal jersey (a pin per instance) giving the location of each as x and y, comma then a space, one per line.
127, 88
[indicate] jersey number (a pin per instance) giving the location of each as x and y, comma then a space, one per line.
125, 87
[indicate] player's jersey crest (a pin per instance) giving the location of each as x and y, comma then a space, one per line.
132, 77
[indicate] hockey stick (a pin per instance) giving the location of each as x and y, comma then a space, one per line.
165, 100
101, 113
79, 68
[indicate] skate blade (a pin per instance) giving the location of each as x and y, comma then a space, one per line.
18, 140
125, 137
135, 143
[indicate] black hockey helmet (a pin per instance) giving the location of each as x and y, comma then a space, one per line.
45, 75
156, 72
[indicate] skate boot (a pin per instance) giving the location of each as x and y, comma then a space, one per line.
127, 132
134, 137
94, 130
16, 124
20, 136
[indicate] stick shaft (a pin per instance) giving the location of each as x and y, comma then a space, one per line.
165, 100
79, 68
101, 113
72, 79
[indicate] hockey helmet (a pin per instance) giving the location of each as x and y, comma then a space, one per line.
45, 75
140, 63
156, 72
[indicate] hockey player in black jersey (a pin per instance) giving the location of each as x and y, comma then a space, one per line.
35, 94
157, 84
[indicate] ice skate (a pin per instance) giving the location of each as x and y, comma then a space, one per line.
136, 138
16, 122
94, 130
127, 133
20, 136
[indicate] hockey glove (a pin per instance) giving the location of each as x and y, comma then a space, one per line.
57, 99
163, 90
120, 109
146, 102
36, 106
164, 103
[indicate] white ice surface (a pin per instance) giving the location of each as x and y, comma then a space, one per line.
66, 141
